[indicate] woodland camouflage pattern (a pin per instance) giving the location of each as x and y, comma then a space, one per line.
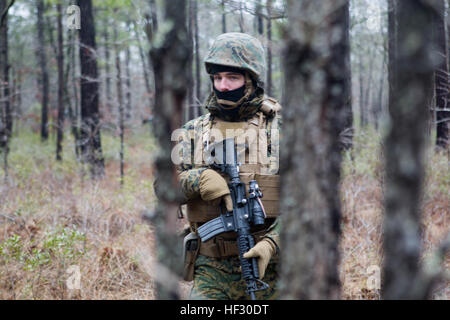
210, 271
239, 50
220, 278
189, 174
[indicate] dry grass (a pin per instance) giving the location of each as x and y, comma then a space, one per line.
44, 201
51, 219
362, 209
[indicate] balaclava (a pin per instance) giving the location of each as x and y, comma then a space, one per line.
230, 102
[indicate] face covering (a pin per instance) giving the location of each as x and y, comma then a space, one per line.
233, 105
232, 95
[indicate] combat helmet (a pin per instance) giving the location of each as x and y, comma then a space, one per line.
238, 50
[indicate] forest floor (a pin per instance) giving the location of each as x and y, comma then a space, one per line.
54, 222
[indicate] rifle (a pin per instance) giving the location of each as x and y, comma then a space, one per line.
247, 212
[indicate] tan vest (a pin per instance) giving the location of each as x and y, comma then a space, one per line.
261, 130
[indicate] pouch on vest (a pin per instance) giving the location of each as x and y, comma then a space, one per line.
191, 248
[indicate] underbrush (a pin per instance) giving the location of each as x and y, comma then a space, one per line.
54, 220
362, 215
56, 224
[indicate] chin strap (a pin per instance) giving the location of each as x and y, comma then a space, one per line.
249, 89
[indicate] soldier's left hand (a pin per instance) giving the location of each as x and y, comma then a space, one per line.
263, 250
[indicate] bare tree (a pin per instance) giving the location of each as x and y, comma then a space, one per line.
145, 67
189, 110
90, 119
241, 17
61, 109
258, 21
128, 77
44, 72
75, 115
314, 116
170, 63
269, 49
119, 101
108, 95
224, 17
5, 109
441, 75
198, 65
410, 76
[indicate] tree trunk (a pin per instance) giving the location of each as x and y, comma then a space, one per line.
346, 135
362, 107
378, 105
258, 22
76, 110
224, 17
241, 18
12, 94
6, 81
189, 110
170, 63
128, 77
317, 90
198, 65
392, 49
405, 144
44, 73
60, 124
108, 96
269, 48
145, 67
119, 101
70, 62
368, 92
4, 76
19, 87
5, 111
90, 123
441, 76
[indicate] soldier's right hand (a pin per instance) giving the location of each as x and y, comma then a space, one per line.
214, 188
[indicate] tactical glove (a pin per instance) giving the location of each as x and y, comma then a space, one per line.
214, 188
263, 250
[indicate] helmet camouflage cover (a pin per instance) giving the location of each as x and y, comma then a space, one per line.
238, 50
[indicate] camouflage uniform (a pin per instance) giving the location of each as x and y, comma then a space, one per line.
220, 277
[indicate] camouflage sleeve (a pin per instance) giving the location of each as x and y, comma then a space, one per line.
189, 177
190, 181
273, 233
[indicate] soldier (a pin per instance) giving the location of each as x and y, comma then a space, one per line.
236, 66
